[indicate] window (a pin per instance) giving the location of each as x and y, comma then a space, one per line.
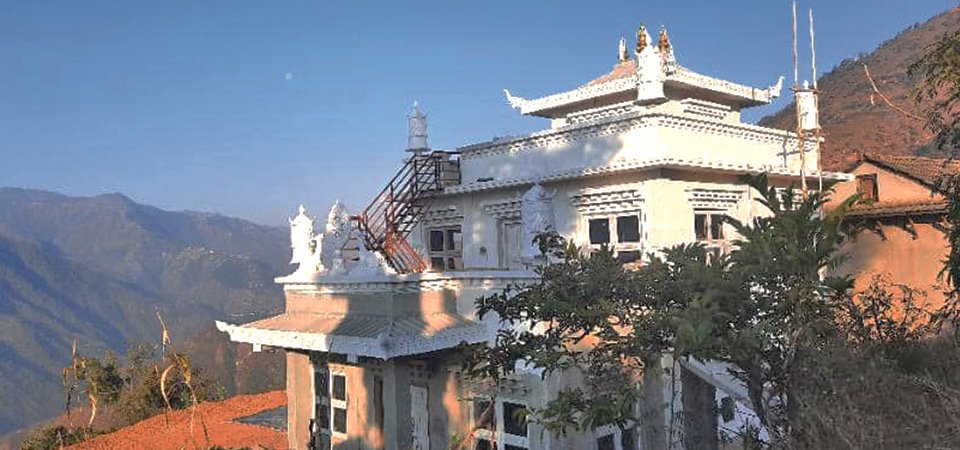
709, 227
612, 437
512, 416
599, 231
446, 249
338, 402
628, 229
728, 407
515, 419
867, 187
625, 228
321, 390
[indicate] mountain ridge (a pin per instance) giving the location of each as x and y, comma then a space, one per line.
853, 118
96, 269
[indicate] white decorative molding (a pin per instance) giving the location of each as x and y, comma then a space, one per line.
607, 201
713, 199
413, 283
706, 109
506, 210
597, 114
584, 93
675, 73
743, 92
627, 166
448, 215
630, 121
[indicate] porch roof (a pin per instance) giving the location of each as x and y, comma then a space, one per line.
381, 337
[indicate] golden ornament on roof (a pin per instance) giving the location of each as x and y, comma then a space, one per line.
641, 38
664, 39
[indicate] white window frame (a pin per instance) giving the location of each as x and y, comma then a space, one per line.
338, 404
503, 250
614, 244
499, 436
456, 253
617, 432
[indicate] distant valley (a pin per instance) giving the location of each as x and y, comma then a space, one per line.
96, 270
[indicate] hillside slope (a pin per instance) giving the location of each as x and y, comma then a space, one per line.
96, 269
853, 121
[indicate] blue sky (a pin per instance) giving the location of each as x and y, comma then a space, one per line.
248, 108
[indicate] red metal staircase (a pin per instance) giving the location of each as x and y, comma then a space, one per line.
393, 214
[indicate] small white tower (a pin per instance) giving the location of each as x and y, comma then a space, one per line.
417, 137
807, 114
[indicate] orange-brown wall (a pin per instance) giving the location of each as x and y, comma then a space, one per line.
914, 261
893, 188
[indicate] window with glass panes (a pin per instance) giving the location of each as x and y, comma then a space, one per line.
338, 402
620, 232
500, 425
709, 226
612, 437
445, 248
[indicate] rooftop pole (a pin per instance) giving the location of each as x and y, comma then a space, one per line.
816, 100
796, 101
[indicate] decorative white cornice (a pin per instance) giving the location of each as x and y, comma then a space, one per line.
713, 199
607, 201
710, 110
753, 96
627, 122
506, 210
590, 91
640, 165
415, 282
676, 74
598, 114
442, 216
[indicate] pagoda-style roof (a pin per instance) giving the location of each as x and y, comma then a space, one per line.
652, 64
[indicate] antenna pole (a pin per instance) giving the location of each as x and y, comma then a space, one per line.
801, 147
816, 102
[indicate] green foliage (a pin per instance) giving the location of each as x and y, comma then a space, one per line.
938, 90
763, 307
55, 437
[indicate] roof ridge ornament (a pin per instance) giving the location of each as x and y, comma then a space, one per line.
650, 70
643, 38
515, 102
623, 55
664, 42
666, 51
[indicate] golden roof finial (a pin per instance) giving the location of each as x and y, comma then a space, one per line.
664, 39
642, 37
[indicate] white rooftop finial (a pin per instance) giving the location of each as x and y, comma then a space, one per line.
624, 56
417, 125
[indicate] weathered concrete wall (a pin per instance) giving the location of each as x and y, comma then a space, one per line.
299, 399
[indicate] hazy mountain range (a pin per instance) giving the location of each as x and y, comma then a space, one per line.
96, 269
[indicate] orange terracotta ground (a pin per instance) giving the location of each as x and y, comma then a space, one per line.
172, 431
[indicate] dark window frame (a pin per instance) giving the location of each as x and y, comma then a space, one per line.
874, 189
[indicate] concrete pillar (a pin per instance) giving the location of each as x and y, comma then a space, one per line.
299, 399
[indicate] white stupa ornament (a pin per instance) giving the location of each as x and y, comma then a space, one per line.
650, 69
417, 137
306, 247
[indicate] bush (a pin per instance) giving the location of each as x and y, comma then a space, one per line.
56, 437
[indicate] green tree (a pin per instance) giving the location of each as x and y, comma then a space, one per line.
764, 308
